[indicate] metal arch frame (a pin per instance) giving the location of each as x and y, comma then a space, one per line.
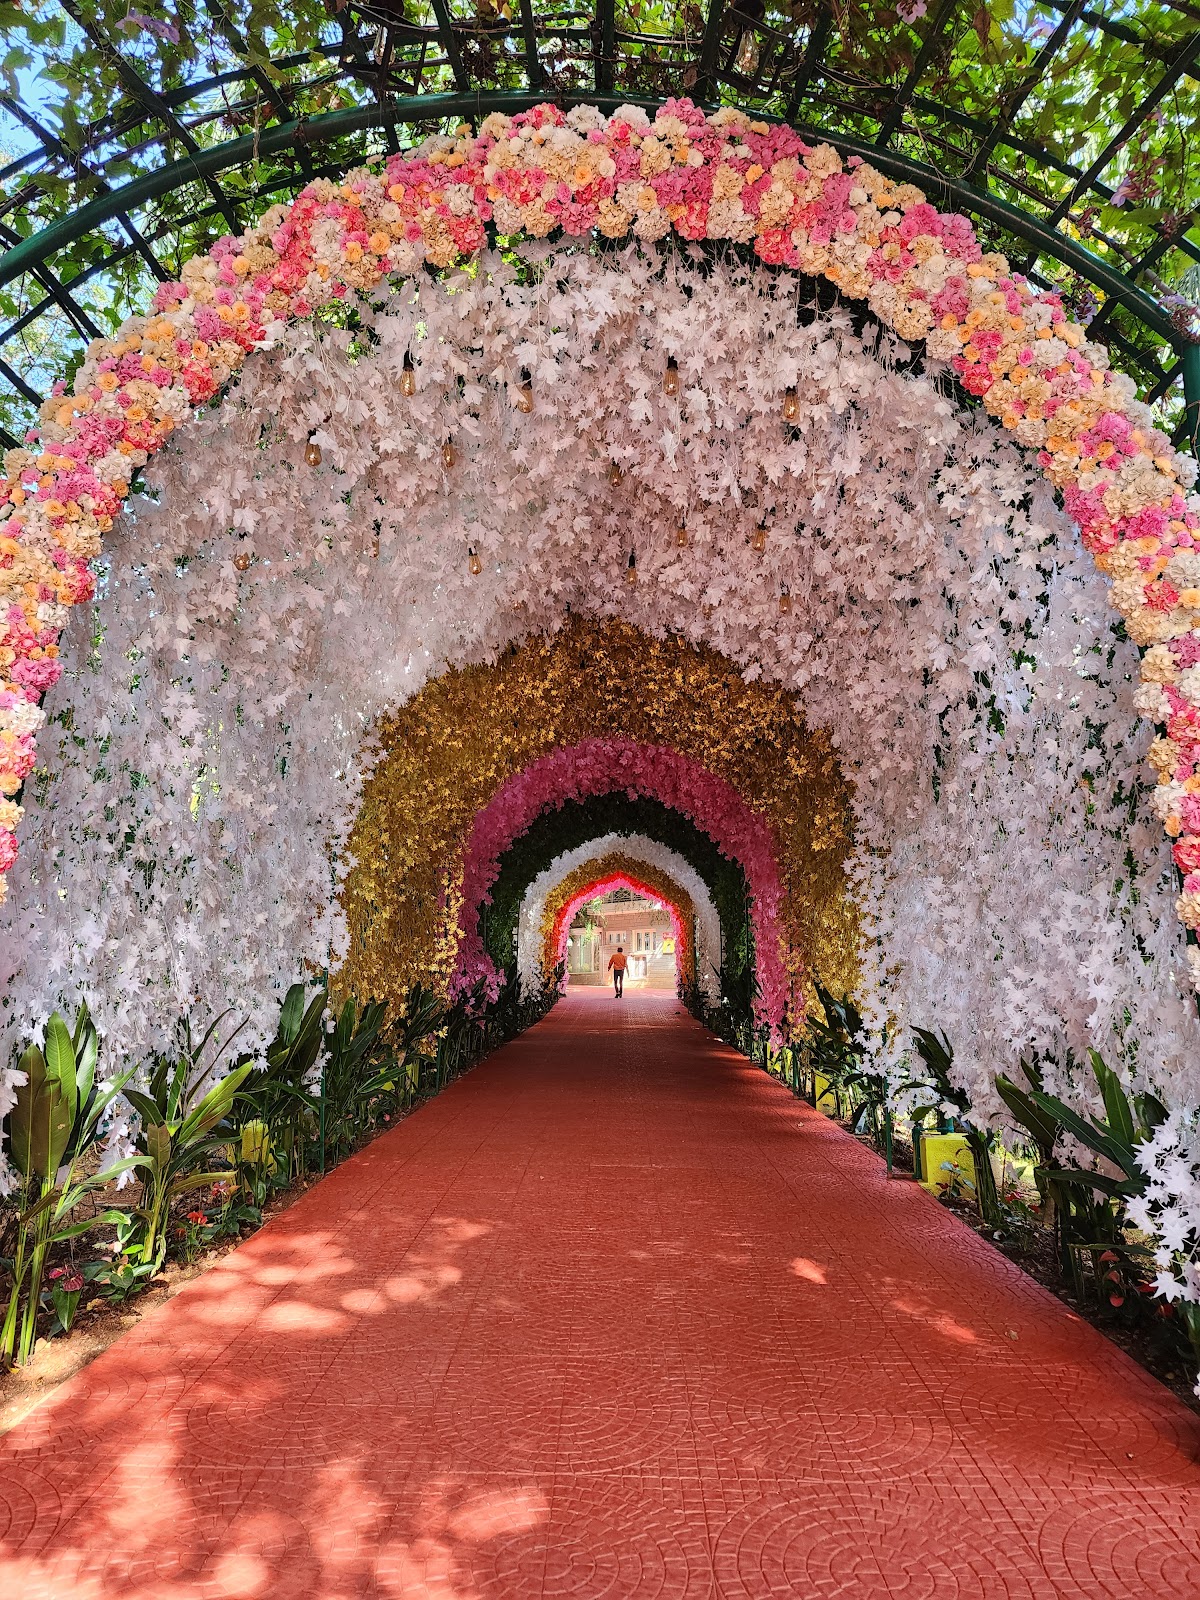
33, 252
449, 30
803, 75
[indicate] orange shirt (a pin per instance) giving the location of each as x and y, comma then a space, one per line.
620, 961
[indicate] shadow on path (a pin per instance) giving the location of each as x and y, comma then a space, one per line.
613, 1316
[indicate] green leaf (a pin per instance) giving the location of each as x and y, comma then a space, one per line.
25, 1121
34, 1212
199, 1180
158, 1143
145, 1107
177, 1090
1087, 1133
345, 1027
100, 1104
214, 1106
60, 1066
86, 1044
1116, 1104
1151, 1111
76, 1230
1040, 1124
291, 1014
1081, 1178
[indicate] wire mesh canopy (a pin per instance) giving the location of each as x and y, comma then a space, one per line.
133, 136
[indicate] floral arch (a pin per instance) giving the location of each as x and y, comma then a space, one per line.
466, 767
724, 177
601, 876
704, 178
422, 479
573, 833
678, 877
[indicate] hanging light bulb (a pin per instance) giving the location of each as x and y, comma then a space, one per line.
759, 541
449, 455
785, 601
681, 535
615, 476
631, 568
242, 560
474, 565
408, 378
525, 392
671, 377
791, 405
312, 453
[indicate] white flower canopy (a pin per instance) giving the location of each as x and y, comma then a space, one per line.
945, 626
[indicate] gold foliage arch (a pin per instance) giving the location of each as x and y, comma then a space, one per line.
604, 869
446, 752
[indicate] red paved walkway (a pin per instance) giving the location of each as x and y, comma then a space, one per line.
612, 1317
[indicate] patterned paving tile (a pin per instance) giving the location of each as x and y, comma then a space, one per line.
613, 1317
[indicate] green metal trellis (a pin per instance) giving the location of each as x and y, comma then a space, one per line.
158, 144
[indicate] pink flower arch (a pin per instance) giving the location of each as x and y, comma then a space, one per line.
605, 884
611, 766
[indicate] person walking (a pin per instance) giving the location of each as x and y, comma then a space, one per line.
616, 965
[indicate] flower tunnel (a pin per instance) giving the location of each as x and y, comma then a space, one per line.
766, 522
601, 876
675, 876
573, 833
528, 740
790, 548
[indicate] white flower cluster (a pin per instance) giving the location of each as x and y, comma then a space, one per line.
208, 745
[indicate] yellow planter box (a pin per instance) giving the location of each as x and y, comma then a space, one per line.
939, 1149
826, 1100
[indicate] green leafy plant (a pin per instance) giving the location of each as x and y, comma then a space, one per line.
424, 1015
833, 1046
195, 1232
937, 1056
57, 1116
119, 1279
66, 1285
284, 1092
353, 1077
517, 1008
957, 1185
1116, 1137
1097, 1223
255, 1161
462, 1035
733, 1017
1042, 1126
183, 1126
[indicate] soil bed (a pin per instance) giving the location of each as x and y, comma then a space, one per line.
100, 1322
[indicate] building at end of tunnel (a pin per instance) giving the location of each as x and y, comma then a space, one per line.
642, 927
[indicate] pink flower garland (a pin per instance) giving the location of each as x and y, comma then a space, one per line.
610, 766
605, 885
719, 177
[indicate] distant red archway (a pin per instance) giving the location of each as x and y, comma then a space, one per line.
682, 916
